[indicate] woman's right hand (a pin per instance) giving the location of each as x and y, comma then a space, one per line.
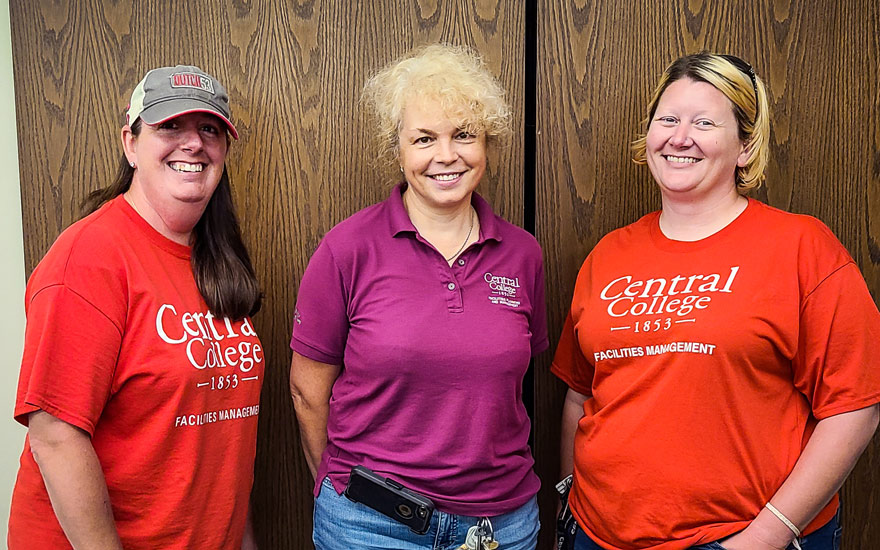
74, 481
311, 383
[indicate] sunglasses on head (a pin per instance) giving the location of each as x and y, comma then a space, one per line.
745, 68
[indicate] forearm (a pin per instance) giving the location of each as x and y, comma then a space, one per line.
75, 483
572, 412
828, 458
312, 432
311, 384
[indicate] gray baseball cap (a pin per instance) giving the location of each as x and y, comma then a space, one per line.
169, 92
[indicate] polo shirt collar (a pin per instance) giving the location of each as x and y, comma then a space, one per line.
399, 221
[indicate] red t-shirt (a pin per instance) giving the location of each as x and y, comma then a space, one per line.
709, 364
120, 343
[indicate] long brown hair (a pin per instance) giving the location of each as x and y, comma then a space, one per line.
221, 264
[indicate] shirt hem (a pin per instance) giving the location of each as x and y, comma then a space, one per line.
32, 405
565, 376
490, 509
311, 352
849, 406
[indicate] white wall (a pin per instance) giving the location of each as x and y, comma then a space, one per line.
12, 277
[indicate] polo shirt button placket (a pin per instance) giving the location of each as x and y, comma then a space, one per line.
454, 299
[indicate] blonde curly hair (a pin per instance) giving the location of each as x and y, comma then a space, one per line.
751, 108
453, 76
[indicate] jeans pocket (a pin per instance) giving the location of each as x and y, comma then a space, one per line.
835, 539
327, 484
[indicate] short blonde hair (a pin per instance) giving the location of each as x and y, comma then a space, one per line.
750, 108
453, 76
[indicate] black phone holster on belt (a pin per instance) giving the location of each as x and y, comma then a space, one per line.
566, 526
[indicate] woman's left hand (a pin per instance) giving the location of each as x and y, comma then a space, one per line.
748, 540
249, 542
836, 444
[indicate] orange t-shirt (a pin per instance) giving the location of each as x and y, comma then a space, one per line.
120, 344
709, 364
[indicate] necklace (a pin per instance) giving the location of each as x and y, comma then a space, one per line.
466, 238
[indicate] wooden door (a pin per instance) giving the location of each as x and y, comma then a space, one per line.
597, 63
294, 71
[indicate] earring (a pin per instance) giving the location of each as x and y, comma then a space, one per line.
131, 163
401, 169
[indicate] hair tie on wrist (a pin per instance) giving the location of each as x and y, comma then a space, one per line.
788, 523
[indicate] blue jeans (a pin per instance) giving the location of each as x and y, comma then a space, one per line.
826, 537
341, 524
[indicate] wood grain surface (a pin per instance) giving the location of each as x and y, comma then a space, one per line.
294, 71
598, 62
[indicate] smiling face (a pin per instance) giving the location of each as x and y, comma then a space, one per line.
442, 163
693, 145
178, 164
180, 159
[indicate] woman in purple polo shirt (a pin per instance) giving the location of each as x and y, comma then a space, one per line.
415, 322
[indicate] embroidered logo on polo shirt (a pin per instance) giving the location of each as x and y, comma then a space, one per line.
503, 290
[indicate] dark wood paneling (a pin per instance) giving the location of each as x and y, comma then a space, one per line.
294, 71
597, 63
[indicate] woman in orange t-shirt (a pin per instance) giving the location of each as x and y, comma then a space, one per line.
718, 352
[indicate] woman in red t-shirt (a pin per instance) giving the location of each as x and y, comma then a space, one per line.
141, 373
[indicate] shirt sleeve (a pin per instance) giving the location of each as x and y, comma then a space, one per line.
569, 363
320, 322
69, 359
538, 321
836, 365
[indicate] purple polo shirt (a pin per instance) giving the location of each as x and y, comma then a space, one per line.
433, 356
